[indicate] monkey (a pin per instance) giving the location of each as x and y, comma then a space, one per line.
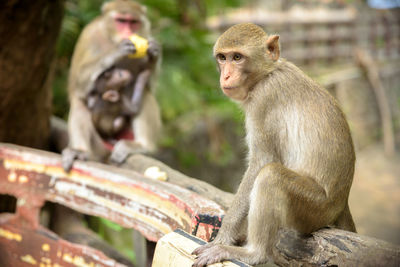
110, 109
301, 156
103, 44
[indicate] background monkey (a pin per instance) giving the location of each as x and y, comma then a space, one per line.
111, 110
104, 44
301, 156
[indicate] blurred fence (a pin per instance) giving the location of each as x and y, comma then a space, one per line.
311, 36
324, 41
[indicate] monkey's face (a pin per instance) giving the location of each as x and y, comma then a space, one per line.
114, 79
124, 18
119, 78
245, 54
125, 24
233, 75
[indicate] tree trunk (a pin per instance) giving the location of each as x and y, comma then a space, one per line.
28, 34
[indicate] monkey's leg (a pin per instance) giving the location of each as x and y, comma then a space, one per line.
280, 198
233, 231
251, 253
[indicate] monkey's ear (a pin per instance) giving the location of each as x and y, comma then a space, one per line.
273, 49
105, 7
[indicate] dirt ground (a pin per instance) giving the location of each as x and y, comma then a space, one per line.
375, 195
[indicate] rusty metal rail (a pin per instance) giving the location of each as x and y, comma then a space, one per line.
123, 196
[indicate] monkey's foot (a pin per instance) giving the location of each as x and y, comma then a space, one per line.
200, 249
210, 254
120, 153
217, 253
69, 155
123, 149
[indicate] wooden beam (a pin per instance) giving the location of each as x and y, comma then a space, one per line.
140, 164
156, 208
177, 247
20, 245
126, 197
334, 247
326, 247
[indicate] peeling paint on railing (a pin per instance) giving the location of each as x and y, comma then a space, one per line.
126, 197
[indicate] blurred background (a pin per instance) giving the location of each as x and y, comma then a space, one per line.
340, 43
351, 47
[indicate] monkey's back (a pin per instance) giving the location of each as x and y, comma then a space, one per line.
307, 127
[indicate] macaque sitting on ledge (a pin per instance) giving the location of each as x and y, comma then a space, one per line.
301, 156
118, 41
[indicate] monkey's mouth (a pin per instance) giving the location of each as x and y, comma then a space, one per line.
229, 87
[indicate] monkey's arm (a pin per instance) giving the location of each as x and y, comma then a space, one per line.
154, 51
84, 141
88, 64
134, 106
142, 80
231, 228
234, 218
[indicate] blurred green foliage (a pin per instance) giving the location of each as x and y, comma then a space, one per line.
77, 15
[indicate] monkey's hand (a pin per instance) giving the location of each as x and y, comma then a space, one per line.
126, 47
123, 149
132, 109
154, 49
210, 253
69, 155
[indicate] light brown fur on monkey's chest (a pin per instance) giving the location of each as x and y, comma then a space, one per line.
292, 127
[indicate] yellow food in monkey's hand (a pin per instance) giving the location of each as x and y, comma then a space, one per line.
141, 45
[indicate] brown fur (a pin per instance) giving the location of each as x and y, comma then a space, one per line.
110, 108
99, 48
301, 156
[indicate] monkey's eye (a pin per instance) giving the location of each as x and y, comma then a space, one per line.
237, 57
121, 20
107, 74
221, 57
